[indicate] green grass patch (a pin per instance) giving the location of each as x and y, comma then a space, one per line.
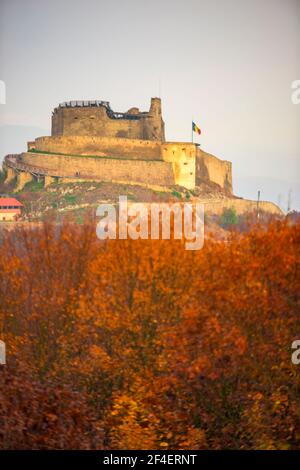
92, 156
70, 198
34, 186
176, 194
163, 193
2, 176
80, 216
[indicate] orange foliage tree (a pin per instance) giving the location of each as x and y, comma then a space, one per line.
144, 345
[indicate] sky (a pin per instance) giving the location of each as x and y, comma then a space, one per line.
227, 64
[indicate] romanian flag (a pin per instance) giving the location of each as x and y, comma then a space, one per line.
196, 128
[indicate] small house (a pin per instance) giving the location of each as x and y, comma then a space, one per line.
10, 209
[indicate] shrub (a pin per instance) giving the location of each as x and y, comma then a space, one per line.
70, 198
228, 218
34, 185
176, 194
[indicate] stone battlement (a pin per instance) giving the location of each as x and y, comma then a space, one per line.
96, 118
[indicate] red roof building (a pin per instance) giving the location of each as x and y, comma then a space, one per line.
10, 209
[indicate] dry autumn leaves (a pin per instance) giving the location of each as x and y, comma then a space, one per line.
144, 345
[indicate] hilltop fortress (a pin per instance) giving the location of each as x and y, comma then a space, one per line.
89, 141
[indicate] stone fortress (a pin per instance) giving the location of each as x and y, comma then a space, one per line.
91, 142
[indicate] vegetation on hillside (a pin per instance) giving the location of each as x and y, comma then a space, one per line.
229, 218
40, 202
144, 345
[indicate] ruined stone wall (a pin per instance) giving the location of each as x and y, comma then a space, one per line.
94, 121
105, 169
211, 168
101, 146
242, 206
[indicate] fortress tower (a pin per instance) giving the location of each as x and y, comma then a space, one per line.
96, 118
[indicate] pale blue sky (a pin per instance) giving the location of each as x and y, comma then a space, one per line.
229, 64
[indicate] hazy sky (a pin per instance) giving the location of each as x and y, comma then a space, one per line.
228, 64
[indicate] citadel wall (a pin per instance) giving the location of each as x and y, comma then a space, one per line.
101, 146
152, 173
211, 168
191, 165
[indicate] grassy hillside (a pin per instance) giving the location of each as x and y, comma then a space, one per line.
78, 198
